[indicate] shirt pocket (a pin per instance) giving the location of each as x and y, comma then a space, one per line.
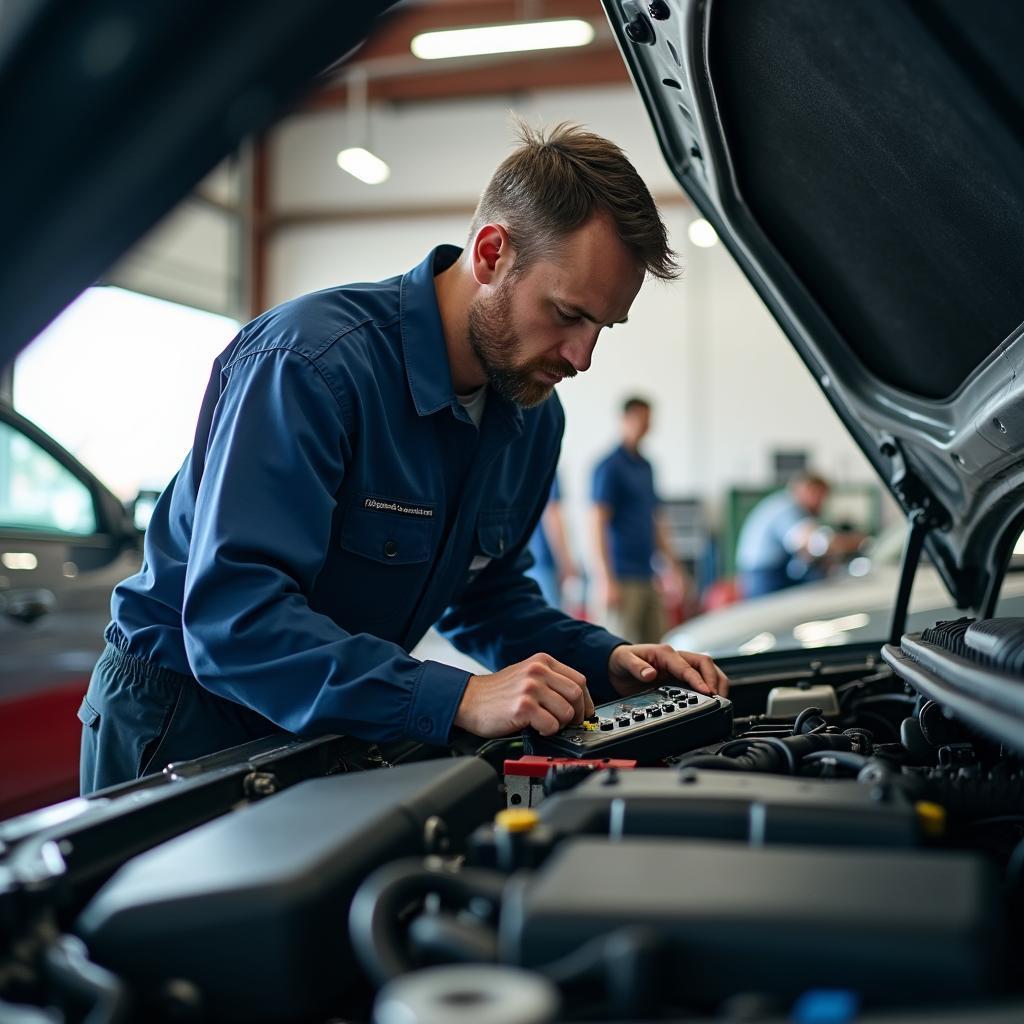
494, 533
498, 531
387, 538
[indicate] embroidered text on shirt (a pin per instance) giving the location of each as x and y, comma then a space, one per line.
376, 505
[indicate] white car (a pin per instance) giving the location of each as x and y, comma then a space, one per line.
850, 607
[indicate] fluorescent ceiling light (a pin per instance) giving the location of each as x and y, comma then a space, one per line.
701, 233
530, 35
362, 164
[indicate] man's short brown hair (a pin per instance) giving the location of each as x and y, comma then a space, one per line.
553, 182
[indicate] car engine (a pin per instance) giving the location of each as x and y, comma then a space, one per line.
839, 840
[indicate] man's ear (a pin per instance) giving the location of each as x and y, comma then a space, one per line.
491, 251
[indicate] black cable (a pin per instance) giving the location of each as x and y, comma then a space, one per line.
802, 717
763, 753
725, 749
713, 762
846, 758
878, 677
444, 939
777, 744
880, 698
379, 904
499, 742
890, 728
860, 737
75, 976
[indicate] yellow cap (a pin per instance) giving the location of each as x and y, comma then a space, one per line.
516, 819
931, 817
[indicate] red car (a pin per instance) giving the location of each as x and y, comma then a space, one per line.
65, 540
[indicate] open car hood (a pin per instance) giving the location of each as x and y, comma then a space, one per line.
113, 111
864, 164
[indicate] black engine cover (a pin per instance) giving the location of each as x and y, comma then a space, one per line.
893, 924
251, 908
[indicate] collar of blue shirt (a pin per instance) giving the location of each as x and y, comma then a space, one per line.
426, 358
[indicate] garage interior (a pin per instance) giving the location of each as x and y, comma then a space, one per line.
873, 759
281, 218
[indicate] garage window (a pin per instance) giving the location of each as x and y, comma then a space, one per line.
118, 380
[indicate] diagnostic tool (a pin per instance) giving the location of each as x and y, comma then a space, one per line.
647, 726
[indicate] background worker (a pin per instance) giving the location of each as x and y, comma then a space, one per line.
782, 541
370, 460
553, 564
629, 532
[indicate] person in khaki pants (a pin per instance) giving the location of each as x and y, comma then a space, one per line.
629, 532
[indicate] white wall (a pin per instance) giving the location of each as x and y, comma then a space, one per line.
193, 255
190, 257
726, 385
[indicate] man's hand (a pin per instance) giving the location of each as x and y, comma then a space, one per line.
539, 692
636, 667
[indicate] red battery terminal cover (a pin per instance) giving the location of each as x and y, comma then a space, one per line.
536, 767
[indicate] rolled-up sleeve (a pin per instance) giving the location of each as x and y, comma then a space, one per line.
274, 462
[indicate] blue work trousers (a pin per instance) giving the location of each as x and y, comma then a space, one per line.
138, 717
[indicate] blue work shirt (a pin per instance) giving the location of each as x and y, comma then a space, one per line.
327, 515
624, 481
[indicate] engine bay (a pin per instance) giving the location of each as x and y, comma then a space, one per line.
843, 836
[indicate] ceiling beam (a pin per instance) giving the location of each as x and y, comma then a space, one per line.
407, 211
593, 66
394, 75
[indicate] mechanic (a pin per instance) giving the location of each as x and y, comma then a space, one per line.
370, 460
782, 542
629, 532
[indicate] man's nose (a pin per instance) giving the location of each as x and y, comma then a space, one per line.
579, 350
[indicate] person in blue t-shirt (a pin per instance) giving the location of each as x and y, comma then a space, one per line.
552, 557
782, 542
629, 532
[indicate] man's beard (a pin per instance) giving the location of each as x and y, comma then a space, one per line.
496, 344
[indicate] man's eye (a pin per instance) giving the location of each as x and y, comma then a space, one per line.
569, 318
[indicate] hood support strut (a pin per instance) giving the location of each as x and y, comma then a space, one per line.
923, 513
920, 524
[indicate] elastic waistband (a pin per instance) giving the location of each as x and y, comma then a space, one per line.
137, 669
